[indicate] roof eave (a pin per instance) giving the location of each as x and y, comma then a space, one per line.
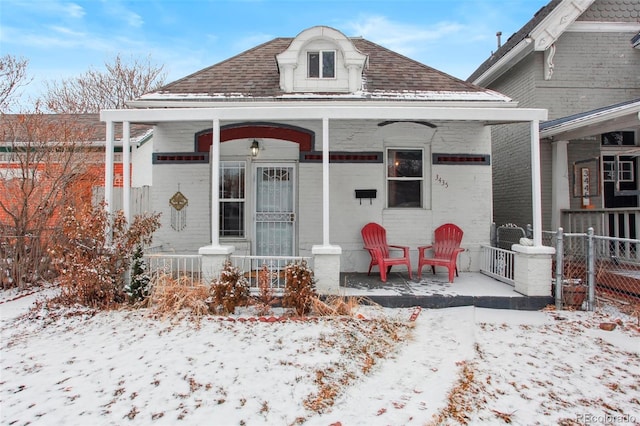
540, 38
635, 41
291, 111
605, 121
504, 64
356, 99
549, 30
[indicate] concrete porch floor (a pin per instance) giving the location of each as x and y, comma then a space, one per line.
434, 291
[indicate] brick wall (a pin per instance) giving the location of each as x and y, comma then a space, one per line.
461, 195
591, 70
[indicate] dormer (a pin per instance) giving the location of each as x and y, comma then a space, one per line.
321, 59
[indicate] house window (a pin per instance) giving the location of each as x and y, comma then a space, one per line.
232, 198
618, 138
404, 177
321, 64
625, 170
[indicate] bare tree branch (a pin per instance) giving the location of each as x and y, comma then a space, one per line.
110, 89
13, 75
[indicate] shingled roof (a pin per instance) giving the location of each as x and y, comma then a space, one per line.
254, 74
516, 38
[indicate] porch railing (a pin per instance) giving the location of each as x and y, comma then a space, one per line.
188, 267
275, 266
177, 266
497, 263
619, 223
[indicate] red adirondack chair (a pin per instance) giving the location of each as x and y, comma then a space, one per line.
445, 250
375, 241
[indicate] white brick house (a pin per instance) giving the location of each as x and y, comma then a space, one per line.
346, 132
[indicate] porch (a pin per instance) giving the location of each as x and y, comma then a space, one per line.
434, 291
429, 291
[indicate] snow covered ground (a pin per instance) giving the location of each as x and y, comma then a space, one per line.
450, 366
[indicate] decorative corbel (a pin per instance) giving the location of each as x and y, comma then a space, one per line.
548, 61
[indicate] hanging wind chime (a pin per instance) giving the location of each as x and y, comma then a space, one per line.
179, 205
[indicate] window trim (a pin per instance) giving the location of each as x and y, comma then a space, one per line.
421, 178
242, 164
625, 168
321, 53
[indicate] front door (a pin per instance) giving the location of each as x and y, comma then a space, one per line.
274, 210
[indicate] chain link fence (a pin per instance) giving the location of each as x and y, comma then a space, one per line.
595, 272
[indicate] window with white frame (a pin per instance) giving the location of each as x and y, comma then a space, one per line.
625, 170
321, 64
232, 198
405, 177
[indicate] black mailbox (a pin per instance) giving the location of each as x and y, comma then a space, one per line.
366, 193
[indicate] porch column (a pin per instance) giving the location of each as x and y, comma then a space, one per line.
214, 158
326, 258
536, 185
126, 171
325, 182
532, 263
214, 255
108, 168
560, 195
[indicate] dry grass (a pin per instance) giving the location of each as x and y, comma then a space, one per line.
171, 296
459, 403
338, 305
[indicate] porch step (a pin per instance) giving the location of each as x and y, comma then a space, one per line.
437, 301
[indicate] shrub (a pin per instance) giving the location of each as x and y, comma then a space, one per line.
138, 288
229, 291
265, 299
92, 267
299, 290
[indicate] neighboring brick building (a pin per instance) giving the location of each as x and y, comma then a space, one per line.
49, 137
579, 59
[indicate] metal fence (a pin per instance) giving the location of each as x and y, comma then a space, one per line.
508, 235
603, 273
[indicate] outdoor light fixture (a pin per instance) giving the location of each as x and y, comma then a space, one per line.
255, 147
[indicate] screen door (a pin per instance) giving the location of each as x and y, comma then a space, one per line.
274, 213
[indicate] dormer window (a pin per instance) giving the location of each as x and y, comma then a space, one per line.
321, 60
328, 60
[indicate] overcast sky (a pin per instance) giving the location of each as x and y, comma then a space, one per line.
63, 39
